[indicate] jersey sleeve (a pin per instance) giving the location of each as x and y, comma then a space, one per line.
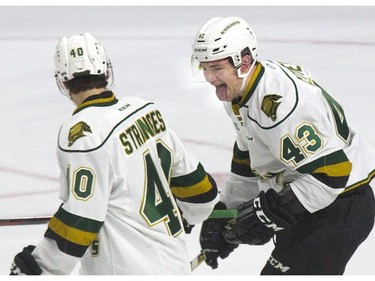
195, 190
242, 184
51, 260
85, 188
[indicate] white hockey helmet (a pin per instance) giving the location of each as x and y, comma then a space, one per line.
223, 37
80, 55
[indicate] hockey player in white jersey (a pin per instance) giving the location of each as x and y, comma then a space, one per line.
298, 171
127, 183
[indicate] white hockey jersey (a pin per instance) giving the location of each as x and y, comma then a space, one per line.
290, 130
126, 178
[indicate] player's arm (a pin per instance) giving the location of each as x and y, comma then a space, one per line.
194, 189
45, 258
196, 194
242, 184
77, 221
66, 240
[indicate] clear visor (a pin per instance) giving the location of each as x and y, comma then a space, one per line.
197, 70
110, 77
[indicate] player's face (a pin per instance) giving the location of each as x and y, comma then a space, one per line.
223, 76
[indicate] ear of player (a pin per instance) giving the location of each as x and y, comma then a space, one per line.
258, 220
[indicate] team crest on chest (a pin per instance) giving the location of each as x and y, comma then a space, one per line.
270, 104
78, 131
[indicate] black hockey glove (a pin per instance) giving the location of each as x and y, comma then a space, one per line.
25, 264
258, 220
212, 241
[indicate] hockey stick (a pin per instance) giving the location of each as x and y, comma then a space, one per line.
216, 214
24, 221
224, 214
197, 261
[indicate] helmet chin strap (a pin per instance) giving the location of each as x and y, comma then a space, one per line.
245, 75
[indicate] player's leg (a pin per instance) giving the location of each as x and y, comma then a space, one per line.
323, 243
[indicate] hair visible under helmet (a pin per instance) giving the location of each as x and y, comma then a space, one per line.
81, 57
222, 38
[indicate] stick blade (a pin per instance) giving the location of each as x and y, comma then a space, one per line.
197, 261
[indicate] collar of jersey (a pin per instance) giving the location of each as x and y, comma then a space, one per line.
254, 81
105, 98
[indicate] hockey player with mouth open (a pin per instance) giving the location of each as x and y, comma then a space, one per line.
300, 173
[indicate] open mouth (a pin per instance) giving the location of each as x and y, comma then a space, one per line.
221, 92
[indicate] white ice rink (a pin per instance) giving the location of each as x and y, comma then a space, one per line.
150, 51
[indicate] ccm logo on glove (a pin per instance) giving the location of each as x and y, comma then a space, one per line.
263, 218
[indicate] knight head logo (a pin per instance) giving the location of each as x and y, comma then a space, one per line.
270, 104
78, 131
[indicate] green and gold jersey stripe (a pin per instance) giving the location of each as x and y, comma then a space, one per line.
75, 221
196, 187
336, 170
241, 162
367, 180
192, 190
73, 234
333, 169
190, 179
104, 101
250, 88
